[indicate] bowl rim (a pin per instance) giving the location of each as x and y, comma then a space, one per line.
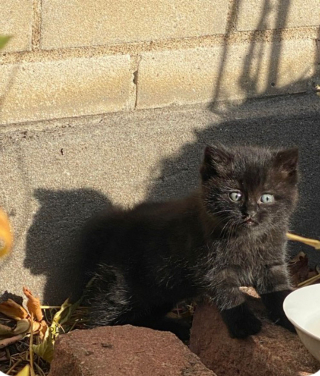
285, 302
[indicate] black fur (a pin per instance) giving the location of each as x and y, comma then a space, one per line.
273, 302
145, 260
241, 322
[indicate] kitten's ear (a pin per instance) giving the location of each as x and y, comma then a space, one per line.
217, 160
287, 160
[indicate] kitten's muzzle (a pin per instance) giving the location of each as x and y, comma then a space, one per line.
249, 221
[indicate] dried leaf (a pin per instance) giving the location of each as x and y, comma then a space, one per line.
33, 305
22, 327
43, 329
8, 341
5, 331
299, 268
297, 257
39, 328
311, 274
3, 356
6, 236
36, 327
13, 310
25, 371
17, 333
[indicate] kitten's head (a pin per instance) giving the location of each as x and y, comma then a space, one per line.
249, 189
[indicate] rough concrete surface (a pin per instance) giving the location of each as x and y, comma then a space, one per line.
88, 85
225, 72
55, 174
72, 87
78, 57
275, 14
16, 20
124, 351
79, 23
273, 352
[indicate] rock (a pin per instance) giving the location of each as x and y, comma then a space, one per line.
272, 352
124, 351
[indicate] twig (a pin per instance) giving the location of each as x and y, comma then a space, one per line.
39, 369
15, 365
309, 281
312, 242
73, 325
8, 356
30, 347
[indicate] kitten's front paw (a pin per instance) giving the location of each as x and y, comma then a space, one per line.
285, 323
274, 304
241, 322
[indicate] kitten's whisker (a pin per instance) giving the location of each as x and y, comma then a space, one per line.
216, 226
222, 211
225, 227
232, 227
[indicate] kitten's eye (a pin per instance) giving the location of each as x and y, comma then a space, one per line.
267, 198
235, 196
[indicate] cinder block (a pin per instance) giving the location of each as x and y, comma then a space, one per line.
82, 23
71, 87
236, 71
130, 351
16, 20
277, 14
272, 352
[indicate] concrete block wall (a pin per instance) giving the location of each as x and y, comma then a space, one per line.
77, 57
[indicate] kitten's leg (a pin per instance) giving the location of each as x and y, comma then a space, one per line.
156, 320
112, 301
273, 287
108, 297
241, 322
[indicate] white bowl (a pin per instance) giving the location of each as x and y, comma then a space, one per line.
302, 307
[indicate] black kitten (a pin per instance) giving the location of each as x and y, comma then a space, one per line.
229, 233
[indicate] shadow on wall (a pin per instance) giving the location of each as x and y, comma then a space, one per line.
268, 131
261, 73
264, 131
56, 227
61, 214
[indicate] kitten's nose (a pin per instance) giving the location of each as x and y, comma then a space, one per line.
249, 217
249, 212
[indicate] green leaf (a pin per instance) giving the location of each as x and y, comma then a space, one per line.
64, 314
4, 39
45, 349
